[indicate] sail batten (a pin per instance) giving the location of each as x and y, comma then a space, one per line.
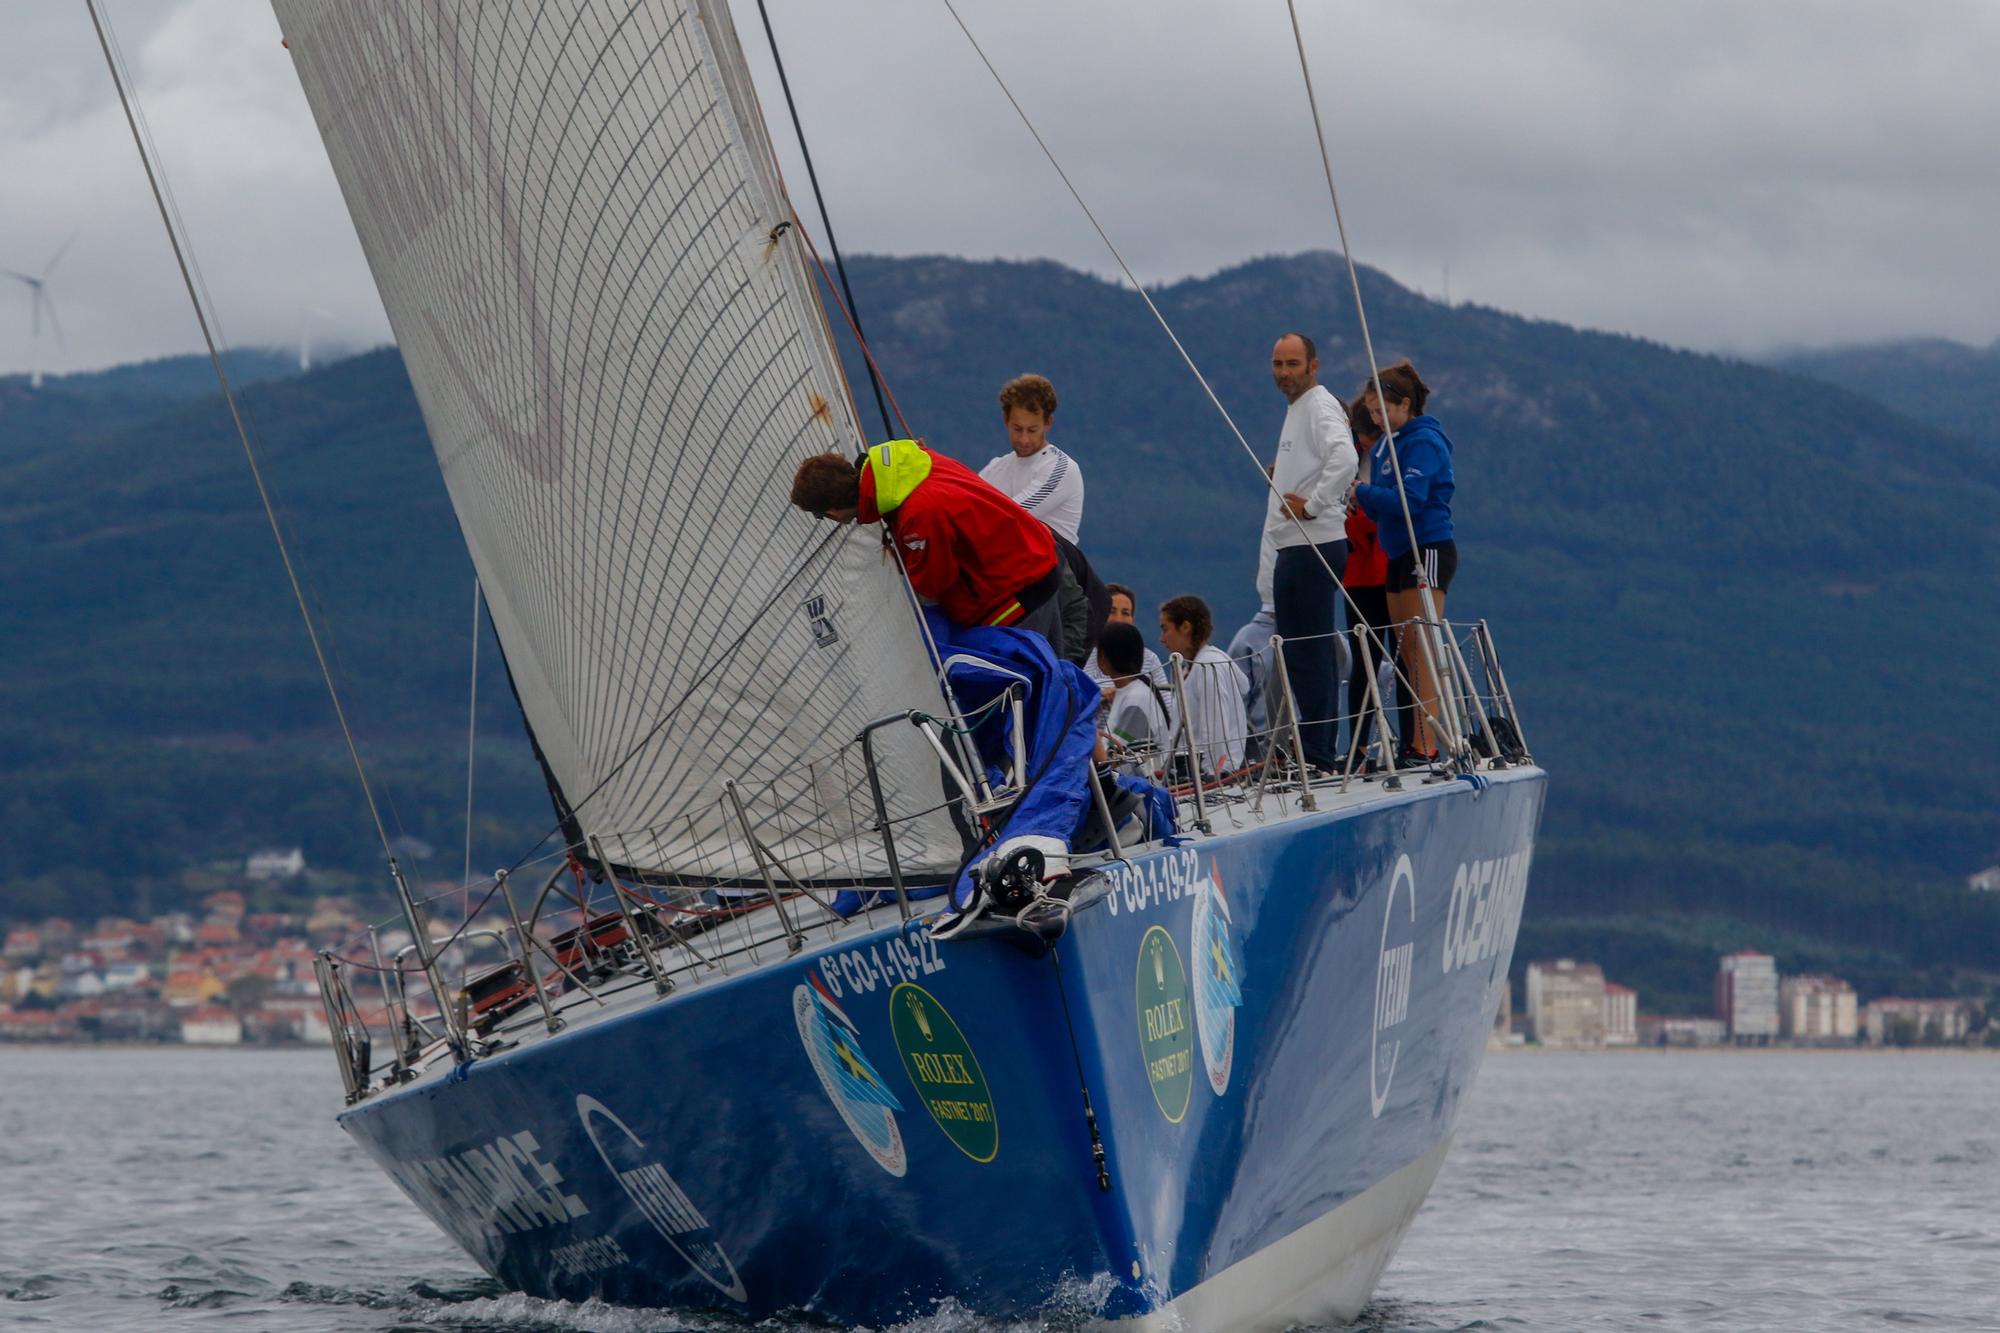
574, 216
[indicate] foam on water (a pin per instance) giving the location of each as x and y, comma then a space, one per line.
1073, 1304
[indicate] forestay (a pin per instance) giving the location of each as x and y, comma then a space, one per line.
574, 215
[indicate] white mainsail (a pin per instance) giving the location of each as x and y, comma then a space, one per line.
574, 216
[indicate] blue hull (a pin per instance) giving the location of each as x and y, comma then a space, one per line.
1274, 1027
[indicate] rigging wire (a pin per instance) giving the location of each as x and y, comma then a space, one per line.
902, 568
850, 310
196, 285
1083, 1084
1424, 593
875, 373
197, 293
1167, 328
812, 176
715, 662
1360, 311
471, 742
878, 381
181, 242
881, 380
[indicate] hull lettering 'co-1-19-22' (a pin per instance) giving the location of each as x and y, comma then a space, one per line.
1139, 886
891, 962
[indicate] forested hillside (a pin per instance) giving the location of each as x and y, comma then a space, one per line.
1751, 647
1946, 384
159, 705
73, 408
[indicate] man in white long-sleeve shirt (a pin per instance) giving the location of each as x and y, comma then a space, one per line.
1039, 477
1305, 520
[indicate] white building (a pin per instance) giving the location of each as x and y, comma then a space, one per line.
289, 1018
1746, 997
275, 863
1621, 1015
124, 976
1897, 1022
81, 986
1986, 881
211, 1025
1817, 1009
1566, 1003
1693, 1032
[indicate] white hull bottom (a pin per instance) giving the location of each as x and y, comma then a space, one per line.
1322, 1273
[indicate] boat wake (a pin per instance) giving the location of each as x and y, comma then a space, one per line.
487, 1307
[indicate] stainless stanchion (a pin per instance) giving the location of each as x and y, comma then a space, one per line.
1284, 683
793, 940
1179, 666
662, 983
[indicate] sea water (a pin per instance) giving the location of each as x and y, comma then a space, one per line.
183, 1189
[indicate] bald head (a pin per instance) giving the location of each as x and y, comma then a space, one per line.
1294, 365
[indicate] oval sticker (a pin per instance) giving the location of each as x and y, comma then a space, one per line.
1164, 1039
944, 1071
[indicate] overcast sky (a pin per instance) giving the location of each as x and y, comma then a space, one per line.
1726, 176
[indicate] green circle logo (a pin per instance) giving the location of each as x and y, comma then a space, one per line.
1164, 1038
944, 1071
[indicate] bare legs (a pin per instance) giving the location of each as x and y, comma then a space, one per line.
1413, 649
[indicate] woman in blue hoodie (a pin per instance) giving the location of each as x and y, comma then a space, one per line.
1424, 455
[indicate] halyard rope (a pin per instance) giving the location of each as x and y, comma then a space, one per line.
819, 198
1361, 313
169, 216
1167, 328
1424, 595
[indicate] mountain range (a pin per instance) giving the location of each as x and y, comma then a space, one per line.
1746, 609
1933, 380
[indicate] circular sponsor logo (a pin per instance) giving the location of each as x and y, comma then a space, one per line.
1218, 981
1164, 1038
1394, 971
944, 1071
658, 1196
851, 1082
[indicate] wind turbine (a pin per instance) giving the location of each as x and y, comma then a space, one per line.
311, 313
39, 301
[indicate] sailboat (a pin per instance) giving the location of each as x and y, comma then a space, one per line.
1210, 1088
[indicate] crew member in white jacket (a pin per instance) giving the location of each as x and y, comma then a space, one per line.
1305, 519
1213, 707
1039, 477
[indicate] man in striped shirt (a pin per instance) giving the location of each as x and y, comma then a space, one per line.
1036, 475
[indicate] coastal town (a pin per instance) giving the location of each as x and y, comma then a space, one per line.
218, 975
1570, 1005
222, 974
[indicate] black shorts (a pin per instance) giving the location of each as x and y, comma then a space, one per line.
1440, 563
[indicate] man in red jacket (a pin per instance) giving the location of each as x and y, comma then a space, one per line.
985, 561
981, 557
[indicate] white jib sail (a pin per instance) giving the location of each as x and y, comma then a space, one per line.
573, 213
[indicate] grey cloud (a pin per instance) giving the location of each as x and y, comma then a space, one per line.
1715, 175
249, 175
